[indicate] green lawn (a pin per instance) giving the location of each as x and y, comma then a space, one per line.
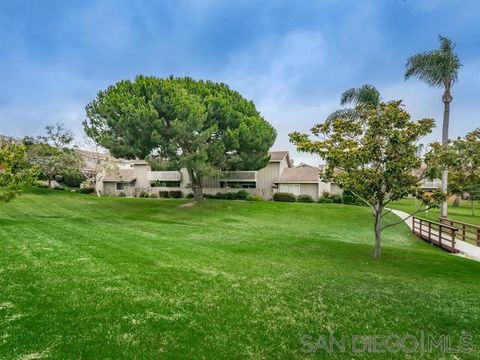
462, 213
112, 278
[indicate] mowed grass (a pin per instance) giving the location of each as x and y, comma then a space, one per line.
462, 213
112, 278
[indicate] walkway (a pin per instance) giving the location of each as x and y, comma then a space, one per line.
465, 249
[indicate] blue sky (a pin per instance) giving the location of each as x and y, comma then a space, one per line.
293, 58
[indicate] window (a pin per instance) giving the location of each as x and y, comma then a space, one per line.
162, 183
238, 184
120, 186
290, 188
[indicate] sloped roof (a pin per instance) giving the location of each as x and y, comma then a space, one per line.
278, 155
299, 174
120, 175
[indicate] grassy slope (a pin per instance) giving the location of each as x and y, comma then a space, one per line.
462, 213
91, 277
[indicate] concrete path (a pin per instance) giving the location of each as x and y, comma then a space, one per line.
465, 249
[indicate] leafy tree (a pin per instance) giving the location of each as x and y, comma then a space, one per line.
461, 158
438, 68
96, 163
200, 125
51, 153
15, 172
366, 95
374, 156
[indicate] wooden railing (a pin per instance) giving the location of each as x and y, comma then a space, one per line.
435, 233
468, 232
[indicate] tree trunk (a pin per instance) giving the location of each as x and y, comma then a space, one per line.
196, 183
456, 203
447, 98
378, 232
49, 182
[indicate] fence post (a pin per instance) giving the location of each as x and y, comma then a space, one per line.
430, 232
453, 240
440, 235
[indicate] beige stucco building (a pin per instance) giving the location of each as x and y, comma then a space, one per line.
134, 177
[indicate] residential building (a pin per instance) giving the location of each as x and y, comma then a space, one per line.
279, 175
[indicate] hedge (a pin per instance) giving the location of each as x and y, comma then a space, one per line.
305, 198
284, 197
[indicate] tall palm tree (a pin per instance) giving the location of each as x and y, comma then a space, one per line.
365, 95
438, 68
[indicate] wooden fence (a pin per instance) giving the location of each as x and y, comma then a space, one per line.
467, 232
435, 233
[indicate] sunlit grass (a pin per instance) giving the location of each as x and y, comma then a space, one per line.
98, 278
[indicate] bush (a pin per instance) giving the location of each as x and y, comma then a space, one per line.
143, 194
305, 198
121, 194
348, 198
325, 194
190, 196
164, 194
324, 200
255, 198
59, 188
242, 195
154, 195
176, 194
337, 199
284, 197
87, 190
73, 179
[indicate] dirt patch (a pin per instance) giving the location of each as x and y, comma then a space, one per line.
188, 204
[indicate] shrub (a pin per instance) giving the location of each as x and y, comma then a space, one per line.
121, 194
324, 200
59, 188
143, 194
255, 198
337, 199
284, 197
242, 195
87, 190
325, 194
348, 197
164, 194
73, 179
176, 194
305, 198
154, 195
225, 196
190, 196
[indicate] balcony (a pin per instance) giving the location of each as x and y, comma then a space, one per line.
238, 176
164, 175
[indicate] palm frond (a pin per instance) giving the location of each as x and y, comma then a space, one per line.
348, 114
348, 96
437, 67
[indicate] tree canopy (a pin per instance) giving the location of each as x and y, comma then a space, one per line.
52, 153
15, 172
373, 155
200, 125
461, 158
